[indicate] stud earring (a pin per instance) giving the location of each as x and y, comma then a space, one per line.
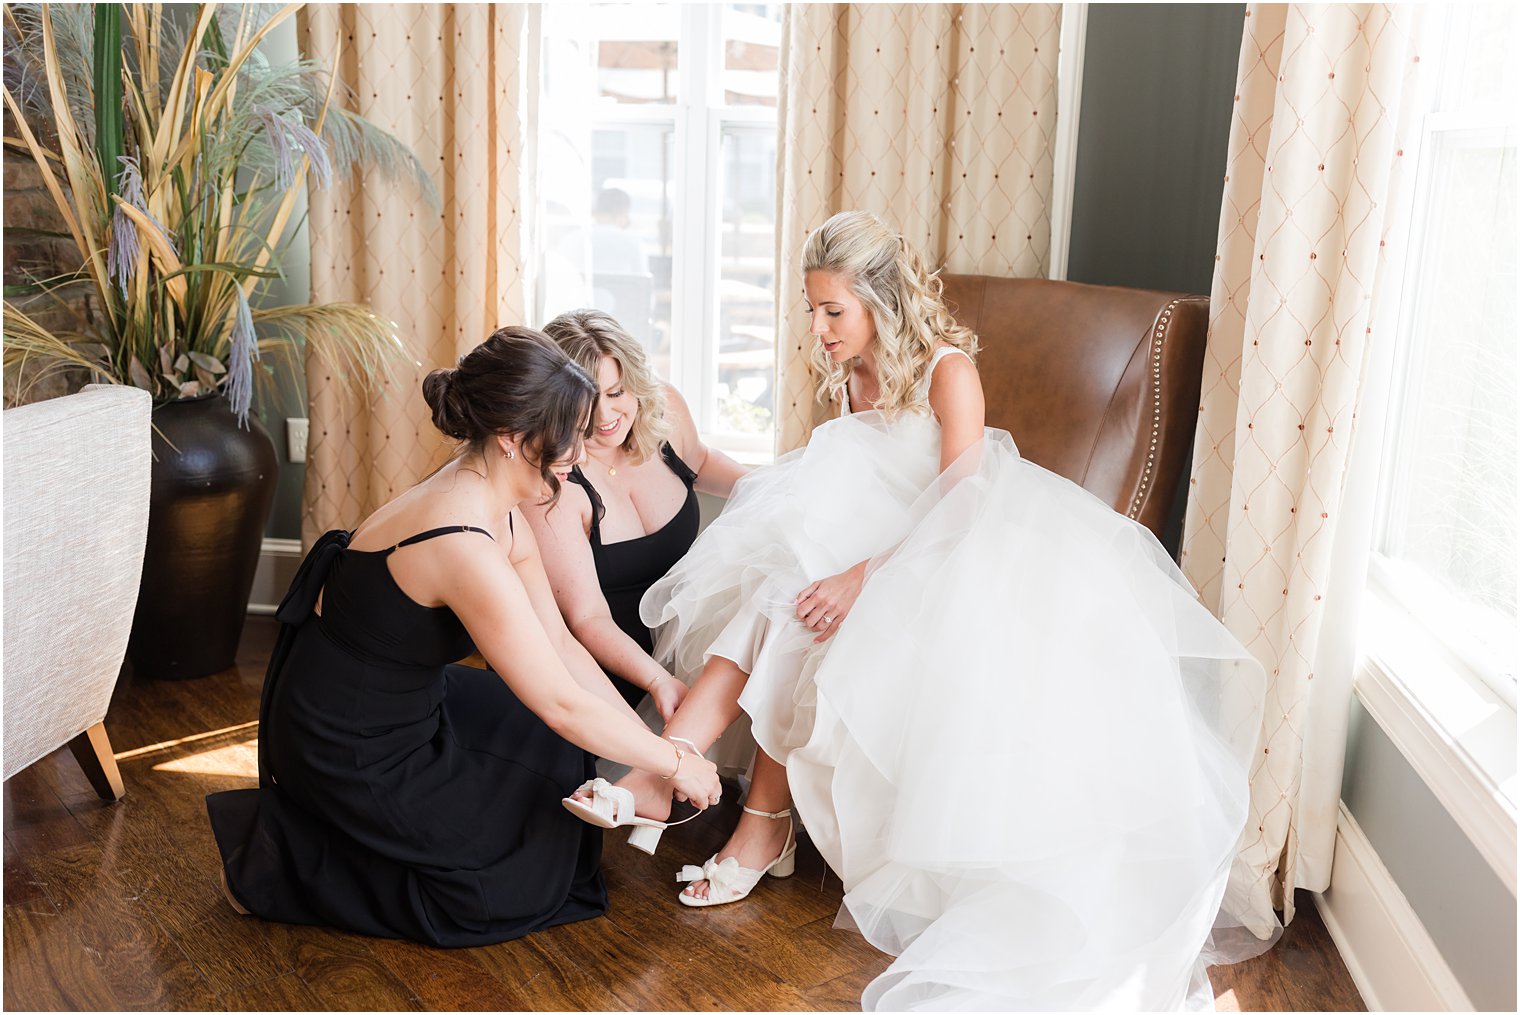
509, 454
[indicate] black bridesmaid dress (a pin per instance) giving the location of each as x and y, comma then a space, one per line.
399, 795
627, 568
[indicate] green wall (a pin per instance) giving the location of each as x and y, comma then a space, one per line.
285, 397
1157, 87
1158, 81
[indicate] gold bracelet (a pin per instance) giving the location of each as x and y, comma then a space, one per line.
680, 755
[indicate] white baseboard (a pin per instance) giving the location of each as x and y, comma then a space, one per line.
278, 561
1391, 957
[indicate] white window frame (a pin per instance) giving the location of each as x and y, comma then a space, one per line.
698, 118
1448, 708
1430, 608
1063, 183
701, 96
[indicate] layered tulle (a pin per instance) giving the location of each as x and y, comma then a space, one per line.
1026, 749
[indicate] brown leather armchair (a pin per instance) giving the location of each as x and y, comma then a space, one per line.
1096, 383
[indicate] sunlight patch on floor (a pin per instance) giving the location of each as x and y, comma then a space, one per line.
232, 759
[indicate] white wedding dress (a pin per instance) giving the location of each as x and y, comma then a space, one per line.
1025, 751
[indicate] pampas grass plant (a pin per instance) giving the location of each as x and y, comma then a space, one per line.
181, 151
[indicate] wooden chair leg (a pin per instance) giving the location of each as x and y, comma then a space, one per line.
92, 749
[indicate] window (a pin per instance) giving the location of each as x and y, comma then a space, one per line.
1445, 544
656, 190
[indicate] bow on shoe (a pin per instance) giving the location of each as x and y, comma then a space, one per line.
613, 804
726, 879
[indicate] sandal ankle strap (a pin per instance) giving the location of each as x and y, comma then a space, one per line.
688, 743
768, 814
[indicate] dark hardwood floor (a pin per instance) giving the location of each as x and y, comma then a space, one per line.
117, 906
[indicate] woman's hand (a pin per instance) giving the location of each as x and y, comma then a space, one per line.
823, 605
667, 693
696, 780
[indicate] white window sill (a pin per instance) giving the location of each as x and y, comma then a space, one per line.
746, 449
1457, 733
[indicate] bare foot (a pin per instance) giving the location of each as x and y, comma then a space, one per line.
232, 899
756, 842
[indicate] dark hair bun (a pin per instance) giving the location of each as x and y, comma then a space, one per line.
515, 382
450, 413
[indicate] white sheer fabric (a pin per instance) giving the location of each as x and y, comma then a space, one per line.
1026, 749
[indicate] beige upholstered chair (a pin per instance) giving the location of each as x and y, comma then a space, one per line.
76, 522
1095, 383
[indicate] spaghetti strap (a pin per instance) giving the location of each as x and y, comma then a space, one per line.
445, 530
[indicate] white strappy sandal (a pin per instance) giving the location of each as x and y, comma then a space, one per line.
612, 807
728, 882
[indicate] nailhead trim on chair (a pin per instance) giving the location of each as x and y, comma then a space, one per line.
1158, 339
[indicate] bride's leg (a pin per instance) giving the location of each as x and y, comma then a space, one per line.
712, 704
708, 709
757, 841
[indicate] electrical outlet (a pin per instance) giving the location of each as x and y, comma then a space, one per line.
296, 433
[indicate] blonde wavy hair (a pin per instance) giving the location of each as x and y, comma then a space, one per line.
588, 335
905, 298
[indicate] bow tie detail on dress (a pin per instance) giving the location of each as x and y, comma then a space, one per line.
307, 584
297, 605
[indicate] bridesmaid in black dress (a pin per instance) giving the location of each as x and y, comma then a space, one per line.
632, 511
399, 795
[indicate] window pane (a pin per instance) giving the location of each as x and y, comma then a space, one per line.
751, 54
1487, 74
624, 174
746, 358
636, 51
1452, 509
608, 245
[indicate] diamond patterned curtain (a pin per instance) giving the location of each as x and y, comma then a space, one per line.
938, 117
447, 79
1327, 98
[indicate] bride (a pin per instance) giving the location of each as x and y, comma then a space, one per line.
1006, 720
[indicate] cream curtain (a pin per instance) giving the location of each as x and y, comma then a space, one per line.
1325, 106
938, 117
447, 79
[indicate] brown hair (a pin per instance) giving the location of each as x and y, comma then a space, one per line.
518, 382
588, 335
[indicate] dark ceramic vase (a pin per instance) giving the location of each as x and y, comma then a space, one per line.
213, 483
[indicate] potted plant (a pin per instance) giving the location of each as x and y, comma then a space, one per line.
175, 152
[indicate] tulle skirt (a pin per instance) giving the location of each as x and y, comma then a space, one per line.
1025, 751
